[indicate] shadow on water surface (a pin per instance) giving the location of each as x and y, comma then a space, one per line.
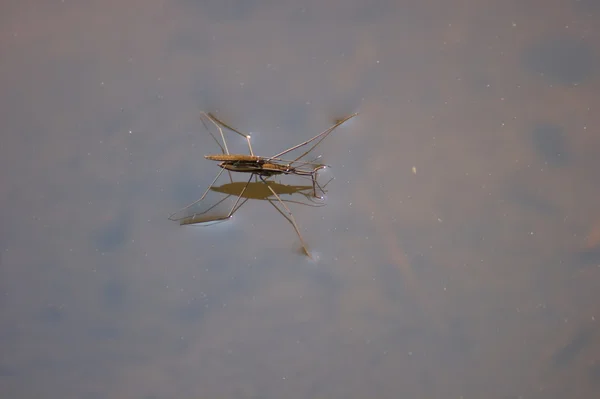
222, 202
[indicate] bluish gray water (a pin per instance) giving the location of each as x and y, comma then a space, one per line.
457, 254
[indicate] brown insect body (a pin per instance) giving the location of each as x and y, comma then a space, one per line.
249, 164
260, 168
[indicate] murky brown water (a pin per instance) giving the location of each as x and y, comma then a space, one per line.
476, 276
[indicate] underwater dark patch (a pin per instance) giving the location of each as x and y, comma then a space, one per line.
566, 354
51, 314
594, 372
6, 371
588, 6
114, 293
192, 312
112, 236
530, 199
550, 144
587, 257
562, 60
225, 10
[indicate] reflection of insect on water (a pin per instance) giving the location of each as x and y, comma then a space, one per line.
203, 210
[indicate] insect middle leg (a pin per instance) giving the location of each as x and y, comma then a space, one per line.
198, 200
235, 207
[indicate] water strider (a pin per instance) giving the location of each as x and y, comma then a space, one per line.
259, 168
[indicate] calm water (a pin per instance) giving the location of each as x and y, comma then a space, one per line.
458, 253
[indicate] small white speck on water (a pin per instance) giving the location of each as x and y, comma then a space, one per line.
414, 170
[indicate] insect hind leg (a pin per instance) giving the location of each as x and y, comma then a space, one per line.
289, 216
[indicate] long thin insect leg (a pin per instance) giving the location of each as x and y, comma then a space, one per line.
247, 136
289, 217
233, 208
320, 137
212, 119
249, 145
338, 123
200, 218
321, 187
237, 205
223, 149
314, 175
198, 200
209, 132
